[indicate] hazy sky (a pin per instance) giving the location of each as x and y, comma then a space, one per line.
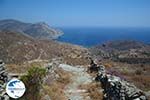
116, 13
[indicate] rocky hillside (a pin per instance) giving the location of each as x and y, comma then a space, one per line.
126, 59
39, 30
19, 48
124, 51
66, 82
115, 88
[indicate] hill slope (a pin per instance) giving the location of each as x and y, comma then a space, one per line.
18, 48
38, 30
125, 50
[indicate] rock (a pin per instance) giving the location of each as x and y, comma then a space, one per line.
118, 89
148, 94
142, 98
95, 68
6, 97
50, 67
46, 97
3, 80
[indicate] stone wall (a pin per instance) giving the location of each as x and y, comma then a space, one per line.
114, 88
3, 81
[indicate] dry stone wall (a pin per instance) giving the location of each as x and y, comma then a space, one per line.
3, 81
115, 88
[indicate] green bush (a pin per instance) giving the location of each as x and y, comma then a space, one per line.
33, 83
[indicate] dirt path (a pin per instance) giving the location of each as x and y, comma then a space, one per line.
80, 77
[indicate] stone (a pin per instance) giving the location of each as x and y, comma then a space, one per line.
46, 97
142, 98
117, 89
4, 78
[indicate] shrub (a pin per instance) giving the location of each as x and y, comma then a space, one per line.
33, 83
138, 72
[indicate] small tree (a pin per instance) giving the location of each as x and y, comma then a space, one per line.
33, 83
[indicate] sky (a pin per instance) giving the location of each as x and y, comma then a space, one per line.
86, 13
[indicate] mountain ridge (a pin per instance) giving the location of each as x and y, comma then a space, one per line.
39, 30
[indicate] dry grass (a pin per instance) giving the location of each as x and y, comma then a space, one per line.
22, 68
64, 77
14, 68
139, 74
93, 90
56, 89
141, 81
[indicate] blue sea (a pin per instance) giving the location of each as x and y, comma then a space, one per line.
93, 36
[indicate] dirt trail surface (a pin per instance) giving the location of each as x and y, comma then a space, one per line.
80, 77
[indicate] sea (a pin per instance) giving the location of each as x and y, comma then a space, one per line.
91, 36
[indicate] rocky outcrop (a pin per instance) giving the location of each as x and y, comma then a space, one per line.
116, 88
3, 80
